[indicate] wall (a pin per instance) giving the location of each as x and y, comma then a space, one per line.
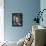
43, 6
28, 8
1, 20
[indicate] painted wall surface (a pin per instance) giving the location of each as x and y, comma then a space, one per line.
43, 6
1, 20
28, 8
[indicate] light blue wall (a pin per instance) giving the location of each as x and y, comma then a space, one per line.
28, 8
43, 6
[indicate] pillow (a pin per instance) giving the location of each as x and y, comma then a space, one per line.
28, 39
21, 42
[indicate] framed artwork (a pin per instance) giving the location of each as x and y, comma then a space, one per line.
17, 19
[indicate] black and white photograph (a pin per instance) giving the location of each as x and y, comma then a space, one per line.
17, 19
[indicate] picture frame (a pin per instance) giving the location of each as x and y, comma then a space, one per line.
17, 19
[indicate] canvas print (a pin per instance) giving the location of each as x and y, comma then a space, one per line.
17, 19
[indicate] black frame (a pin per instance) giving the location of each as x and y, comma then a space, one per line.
18, 15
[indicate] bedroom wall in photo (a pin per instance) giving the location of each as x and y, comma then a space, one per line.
28, 8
